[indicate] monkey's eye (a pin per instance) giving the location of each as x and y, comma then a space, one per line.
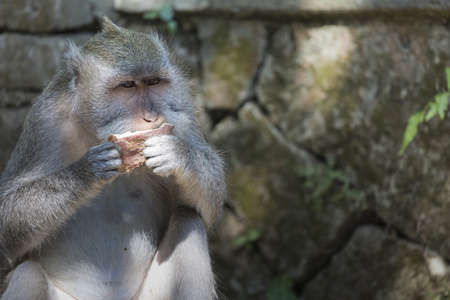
128, 84
153, 81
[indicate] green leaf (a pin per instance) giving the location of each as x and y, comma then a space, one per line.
280, 289
411, 129
151, 15
447, 73
441, 101
432, 111
253, 235
249, 237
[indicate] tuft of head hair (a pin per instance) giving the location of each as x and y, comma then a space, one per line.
109, 28
127, 50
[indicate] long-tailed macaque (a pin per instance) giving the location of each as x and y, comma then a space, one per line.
71, 225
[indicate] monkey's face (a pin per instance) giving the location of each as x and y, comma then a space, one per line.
125, 81
142, 100
114, 102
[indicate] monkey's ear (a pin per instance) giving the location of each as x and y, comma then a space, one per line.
109, 27
73, 58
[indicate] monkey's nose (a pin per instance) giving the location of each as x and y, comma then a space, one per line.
150, 117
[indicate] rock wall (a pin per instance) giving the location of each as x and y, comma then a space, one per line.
308, 102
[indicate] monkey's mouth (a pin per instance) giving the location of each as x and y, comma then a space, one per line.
158, 126
164, 127
147, 127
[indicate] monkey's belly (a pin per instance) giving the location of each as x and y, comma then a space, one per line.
106, 250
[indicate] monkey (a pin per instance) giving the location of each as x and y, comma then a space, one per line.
71, 225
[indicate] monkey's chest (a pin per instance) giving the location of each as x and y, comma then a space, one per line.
113, 239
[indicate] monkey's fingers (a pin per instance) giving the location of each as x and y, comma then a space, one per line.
110, 154
104, 160
162, 165
104, 151
107, 165
106, 169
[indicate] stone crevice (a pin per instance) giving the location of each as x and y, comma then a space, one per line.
305, 15
324, 255
89, 28
17, 97
198, 45
20, 89
217, 114
256, 75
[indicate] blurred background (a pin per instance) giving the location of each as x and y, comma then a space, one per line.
308, 101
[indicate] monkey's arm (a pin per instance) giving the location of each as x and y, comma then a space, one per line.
32, 207
198, 172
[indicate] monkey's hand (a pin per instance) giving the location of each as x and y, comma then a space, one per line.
165, 154
197, 170
103, 161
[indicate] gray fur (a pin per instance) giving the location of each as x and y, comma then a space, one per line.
70, 223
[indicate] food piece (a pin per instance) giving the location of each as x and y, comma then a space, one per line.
132, 144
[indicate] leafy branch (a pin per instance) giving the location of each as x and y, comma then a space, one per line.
437, 107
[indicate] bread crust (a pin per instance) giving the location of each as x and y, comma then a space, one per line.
132, 144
